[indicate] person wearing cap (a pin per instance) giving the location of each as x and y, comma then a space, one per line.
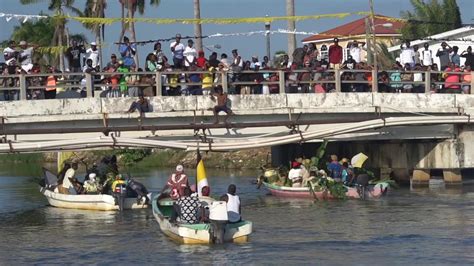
93, 54
190, 54
335, 54
177, 182
113, 64
177, 49
295, 174
443, 54
26, 55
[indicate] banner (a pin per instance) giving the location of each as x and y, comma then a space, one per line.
20, 18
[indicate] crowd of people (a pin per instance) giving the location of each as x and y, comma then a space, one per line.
309, 69
191, 206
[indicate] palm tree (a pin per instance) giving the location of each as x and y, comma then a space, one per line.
197, 26
60, 29
132, 7
96, 9
290, 11
429, 18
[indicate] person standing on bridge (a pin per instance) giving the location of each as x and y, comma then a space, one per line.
221, 106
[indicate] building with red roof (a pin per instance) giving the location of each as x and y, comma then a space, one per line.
387, 30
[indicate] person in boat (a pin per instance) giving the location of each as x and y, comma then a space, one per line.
233, 204
335, 169
70, 184
347, 174
206, 201
312, 176
91, 185
63, 172
186, 208
296, 174
177, 182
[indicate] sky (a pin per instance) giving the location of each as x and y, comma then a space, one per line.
247, 46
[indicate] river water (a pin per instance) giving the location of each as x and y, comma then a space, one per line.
408, 227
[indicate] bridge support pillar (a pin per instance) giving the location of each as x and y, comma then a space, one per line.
420, 177
452, 177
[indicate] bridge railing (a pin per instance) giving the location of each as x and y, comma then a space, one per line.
172, 83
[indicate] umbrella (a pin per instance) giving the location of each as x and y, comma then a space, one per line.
358, 160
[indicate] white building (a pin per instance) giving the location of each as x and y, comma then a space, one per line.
462, 38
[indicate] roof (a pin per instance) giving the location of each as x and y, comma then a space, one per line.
456, 33
357, 27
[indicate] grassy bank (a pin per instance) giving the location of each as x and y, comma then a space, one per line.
247, 159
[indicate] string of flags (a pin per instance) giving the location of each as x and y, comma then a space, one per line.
21, 18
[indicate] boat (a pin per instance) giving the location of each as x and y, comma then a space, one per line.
371, 192
99, 202
201, 233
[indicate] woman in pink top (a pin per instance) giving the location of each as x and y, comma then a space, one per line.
451, 79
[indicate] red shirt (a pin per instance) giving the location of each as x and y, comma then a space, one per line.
201, 62
335, 54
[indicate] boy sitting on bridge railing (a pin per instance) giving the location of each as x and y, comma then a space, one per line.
221, 106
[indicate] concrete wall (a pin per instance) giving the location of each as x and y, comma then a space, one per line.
252, 104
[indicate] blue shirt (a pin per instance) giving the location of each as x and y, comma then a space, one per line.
335, 170
126, 53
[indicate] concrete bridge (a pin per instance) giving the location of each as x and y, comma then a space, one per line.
397, 131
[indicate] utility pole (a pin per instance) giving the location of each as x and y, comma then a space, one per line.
198, 26
367, 41
290, 11
374, 46
267, 36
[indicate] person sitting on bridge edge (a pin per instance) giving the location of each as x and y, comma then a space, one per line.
141, 105
221, 106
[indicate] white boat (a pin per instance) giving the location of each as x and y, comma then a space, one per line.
100, 202
196, 233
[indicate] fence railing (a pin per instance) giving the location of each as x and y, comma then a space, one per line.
24, 86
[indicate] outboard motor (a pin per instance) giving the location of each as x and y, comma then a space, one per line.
139, 189
362, 182
218, 217
120, 193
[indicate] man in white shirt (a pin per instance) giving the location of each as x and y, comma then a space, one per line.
355, 50
190, 54
407, 56
233, 204
10, 54
26, 54
426, 56
93, 54
69, 179
177, 49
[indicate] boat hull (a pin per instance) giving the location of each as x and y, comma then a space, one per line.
199, 233
303, 192
102, 202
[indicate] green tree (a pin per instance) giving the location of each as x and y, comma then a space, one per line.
132, 6
60, 29
430, 17
44, 33
96, 9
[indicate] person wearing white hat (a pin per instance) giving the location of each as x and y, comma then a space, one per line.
93, 54
91, 186
177, 182
26, 56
